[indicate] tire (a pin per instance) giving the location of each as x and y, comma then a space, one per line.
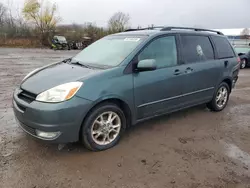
243, 63
93, 134
214, 103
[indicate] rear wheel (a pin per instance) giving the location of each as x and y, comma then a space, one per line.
103, 127
243, 63
220, 98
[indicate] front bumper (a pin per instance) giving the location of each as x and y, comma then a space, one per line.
65, 118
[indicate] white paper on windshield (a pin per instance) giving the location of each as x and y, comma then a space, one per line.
132, 39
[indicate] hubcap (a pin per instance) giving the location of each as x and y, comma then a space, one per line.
106, 128
221, 97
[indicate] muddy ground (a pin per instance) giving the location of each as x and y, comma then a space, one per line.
192, 148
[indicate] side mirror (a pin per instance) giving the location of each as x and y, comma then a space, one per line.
146, 65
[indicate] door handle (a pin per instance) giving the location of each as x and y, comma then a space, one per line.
226, 63
177, 72
188, 70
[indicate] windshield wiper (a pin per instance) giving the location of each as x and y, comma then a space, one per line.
75, 62
80, 64
69, 60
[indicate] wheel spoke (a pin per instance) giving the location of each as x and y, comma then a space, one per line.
106, 139
98, 122
97, 134
114, 117
115, 126
218, 97
113, 130
224, 92
102, 120
110, 117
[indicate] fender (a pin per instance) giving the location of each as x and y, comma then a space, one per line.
115, 97
225, 78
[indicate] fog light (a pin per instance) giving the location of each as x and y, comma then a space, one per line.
48, 135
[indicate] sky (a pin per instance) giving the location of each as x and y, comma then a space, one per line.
219, 14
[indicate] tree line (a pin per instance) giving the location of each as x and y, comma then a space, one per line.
245, 33
38, 22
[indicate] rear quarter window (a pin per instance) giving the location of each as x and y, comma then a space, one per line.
223, 47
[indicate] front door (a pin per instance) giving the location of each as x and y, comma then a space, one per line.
158, 91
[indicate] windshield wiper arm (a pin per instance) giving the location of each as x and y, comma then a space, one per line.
80, 64
67, 60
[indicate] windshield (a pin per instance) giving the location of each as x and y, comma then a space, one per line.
242, 50
109, 51
61, 38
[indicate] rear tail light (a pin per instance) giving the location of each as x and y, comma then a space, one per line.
238, 59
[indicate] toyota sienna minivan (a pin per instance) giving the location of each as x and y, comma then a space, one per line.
123, 79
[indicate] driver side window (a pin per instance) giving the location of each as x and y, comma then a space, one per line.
162, 50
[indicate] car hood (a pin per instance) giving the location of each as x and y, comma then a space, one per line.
55, 74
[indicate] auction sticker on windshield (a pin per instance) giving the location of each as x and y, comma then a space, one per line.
132, 39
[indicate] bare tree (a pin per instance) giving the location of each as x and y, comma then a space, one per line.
245, 33
3, 11
118, 22
7, 22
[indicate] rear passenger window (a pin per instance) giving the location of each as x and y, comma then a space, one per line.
196, 49
223, 47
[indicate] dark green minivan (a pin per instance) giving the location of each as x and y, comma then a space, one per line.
123, 79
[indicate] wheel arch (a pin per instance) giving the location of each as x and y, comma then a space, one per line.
117, 101
229, 82
245, 59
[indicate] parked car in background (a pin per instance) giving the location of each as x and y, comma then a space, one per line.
60, 43
123, 79
80, 44
244, 54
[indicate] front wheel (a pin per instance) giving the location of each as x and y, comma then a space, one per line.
220, 98
103, 127
243, 63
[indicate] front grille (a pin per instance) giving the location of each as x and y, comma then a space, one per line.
27, 96
27, 128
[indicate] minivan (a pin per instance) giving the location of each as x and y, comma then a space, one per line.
123, 79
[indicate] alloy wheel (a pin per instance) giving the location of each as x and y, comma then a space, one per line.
222, 97
105, 128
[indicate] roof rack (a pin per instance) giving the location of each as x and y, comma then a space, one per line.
176, 28
191, 28
146, 28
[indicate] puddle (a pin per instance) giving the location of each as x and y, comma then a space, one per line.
236, 153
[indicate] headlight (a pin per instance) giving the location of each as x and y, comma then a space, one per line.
60, 93
28, 75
